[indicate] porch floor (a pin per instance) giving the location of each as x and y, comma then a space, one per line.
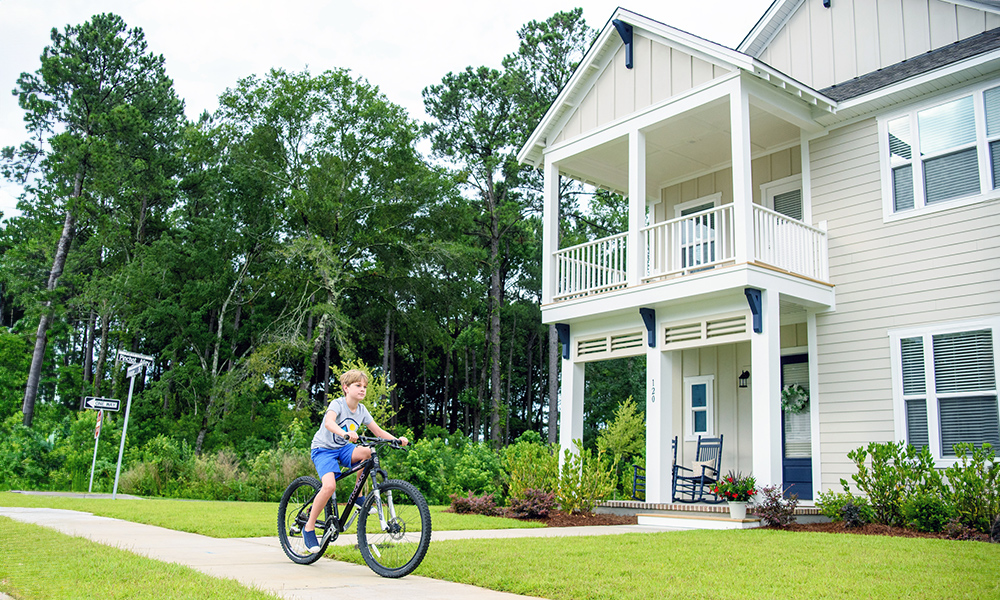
695, 516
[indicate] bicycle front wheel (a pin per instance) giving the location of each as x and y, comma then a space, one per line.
293, 512
393, 538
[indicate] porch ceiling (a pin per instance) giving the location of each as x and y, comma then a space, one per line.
687, 145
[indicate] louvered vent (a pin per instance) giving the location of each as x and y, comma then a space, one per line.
727, 326
683, 333
626, 341
589, 347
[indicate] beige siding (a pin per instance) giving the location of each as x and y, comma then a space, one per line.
659, 72
732, 404
772, 167
823, 46
931, 268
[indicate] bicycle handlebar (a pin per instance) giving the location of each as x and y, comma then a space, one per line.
374, 441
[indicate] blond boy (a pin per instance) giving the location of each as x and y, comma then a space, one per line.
333, 445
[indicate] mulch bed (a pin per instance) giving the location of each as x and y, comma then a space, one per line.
561, 519
875, 529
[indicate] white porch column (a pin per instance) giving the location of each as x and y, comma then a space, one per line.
636, 206
739, 116
550, 229
571, 414
659, 424
765, 356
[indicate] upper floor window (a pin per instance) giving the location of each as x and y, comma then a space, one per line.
946, 387
942, 154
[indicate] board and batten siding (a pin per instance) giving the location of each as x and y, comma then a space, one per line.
763, 169
659, 72
824, 46
931, 268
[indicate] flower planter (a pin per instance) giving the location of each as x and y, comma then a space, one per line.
737, 510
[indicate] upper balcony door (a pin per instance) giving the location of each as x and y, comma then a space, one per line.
698, 234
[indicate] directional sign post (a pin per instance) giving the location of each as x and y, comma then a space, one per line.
94, 403
97, 439
138, 362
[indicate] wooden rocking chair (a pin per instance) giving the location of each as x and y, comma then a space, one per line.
695, 484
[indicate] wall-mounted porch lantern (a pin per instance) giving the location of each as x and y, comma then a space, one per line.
744, 378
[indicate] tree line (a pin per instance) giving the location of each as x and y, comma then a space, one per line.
297, 228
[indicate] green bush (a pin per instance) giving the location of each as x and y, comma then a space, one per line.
973, 483
831, 505
272, 470
624, 440
157, 468
427, 464
926, 512
585, 480
530, 465
26, 459
478, 470
890, 472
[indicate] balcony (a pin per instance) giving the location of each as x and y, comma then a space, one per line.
692, 244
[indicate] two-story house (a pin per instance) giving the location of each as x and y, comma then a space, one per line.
818, 206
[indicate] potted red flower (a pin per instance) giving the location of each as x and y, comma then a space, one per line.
737, 489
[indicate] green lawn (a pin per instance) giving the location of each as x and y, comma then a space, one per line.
240, 519
693, 564
57, 566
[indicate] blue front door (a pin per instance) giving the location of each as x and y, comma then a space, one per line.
796, 433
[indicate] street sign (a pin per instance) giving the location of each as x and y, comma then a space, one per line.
135, 369
134, 358
93, 403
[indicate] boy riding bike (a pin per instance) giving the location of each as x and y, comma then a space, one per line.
333, 445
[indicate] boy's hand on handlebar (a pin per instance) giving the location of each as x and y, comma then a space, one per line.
352, 436
403, 441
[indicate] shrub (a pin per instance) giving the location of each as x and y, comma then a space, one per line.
427, 464
585, 480
896, 471
536, 504
479, 505
774, 509
956, 530
831, 505
624, 440
856, 514
926, 512
530, 465
973, 481
478, 470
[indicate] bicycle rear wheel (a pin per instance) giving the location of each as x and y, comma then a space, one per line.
293, 512
395, 540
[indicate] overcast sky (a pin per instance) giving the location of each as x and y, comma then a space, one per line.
400, 46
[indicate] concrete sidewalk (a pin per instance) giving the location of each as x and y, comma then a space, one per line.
260, 562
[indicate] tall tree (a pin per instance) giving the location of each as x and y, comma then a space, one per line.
100, 110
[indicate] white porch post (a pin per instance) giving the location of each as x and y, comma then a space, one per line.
739, 116
550, 229
765, 355
571, 414
636, 206
659, 424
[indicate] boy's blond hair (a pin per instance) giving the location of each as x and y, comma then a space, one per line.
353, 376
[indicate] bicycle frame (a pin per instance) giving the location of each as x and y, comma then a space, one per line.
338, 524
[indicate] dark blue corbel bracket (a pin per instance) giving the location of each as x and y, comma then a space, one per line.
753, 298
563, 330
649, 318
625, 31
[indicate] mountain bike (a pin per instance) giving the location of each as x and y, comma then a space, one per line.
394, 522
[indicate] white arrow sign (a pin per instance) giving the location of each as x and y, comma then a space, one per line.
95, 403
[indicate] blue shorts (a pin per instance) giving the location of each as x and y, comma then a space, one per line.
331, 461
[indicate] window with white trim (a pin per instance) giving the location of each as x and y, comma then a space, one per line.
699, 401
946, 387
784, 196
943, 154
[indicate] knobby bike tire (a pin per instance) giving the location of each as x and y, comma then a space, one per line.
293, 512
398, 550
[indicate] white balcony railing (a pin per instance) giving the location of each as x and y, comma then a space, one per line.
592, 267
690, 244
789, 244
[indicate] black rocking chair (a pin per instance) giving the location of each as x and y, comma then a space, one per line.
696, 485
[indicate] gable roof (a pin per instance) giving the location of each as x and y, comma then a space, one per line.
608, 42
944, 56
